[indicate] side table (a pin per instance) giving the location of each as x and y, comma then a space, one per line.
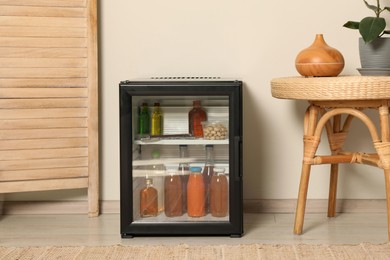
329, 98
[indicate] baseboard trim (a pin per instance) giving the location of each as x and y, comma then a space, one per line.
250, 206
315, 206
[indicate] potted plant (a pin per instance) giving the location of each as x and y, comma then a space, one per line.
373, 48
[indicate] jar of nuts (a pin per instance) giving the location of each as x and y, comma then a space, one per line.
216, 130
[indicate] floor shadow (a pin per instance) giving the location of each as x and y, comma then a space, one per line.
310, 226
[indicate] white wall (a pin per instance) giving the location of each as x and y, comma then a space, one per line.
250, 40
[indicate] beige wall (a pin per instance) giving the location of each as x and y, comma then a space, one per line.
251, 40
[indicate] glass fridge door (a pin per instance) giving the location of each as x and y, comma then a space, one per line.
181, 158
180, 167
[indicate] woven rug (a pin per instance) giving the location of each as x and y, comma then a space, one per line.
251, 251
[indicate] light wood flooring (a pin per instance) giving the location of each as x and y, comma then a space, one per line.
46, 230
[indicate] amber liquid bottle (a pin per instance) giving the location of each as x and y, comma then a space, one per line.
208, 172
173, 195
195, 118
148, 200
219, 193
184, 172
196, 193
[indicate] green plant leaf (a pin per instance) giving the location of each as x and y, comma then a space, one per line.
372, 7
387, 8
371, 27
352, 25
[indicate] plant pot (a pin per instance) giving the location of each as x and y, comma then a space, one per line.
376, 54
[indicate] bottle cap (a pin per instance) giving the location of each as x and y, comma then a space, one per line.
171, 172
195, 169
156, 104
219, 170
196, 102
144, 104
149, 181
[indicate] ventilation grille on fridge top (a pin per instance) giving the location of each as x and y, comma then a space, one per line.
185, 78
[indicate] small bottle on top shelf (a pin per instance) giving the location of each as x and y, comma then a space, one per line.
144, 120
195, 118
157, 120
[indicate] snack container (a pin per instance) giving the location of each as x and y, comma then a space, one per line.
215, 130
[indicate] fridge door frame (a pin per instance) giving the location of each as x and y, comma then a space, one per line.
232, 89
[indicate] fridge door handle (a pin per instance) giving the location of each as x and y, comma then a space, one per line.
237, 158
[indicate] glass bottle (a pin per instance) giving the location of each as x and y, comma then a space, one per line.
219, 195
173, 196
144, 120
158, 172
184, 171
208, 172
156, 124
195, 118
148, 200
196, 193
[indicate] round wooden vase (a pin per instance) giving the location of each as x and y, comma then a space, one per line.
319, 60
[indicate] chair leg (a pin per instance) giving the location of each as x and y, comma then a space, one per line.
311, 143
383, 150
302, 196
387, 181
334, 169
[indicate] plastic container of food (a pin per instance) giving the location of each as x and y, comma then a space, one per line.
215, 130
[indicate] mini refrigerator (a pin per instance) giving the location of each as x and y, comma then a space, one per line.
181, 157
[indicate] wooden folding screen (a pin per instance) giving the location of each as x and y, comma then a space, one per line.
48, 96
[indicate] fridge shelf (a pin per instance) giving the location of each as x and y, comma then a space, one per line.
165, 161
139, 171
183, 219
181, 142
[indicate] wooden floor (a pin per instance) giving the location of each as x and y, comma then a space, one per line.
45, 230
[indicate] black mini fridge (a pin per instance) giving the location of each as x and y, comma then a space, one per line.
181, 157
